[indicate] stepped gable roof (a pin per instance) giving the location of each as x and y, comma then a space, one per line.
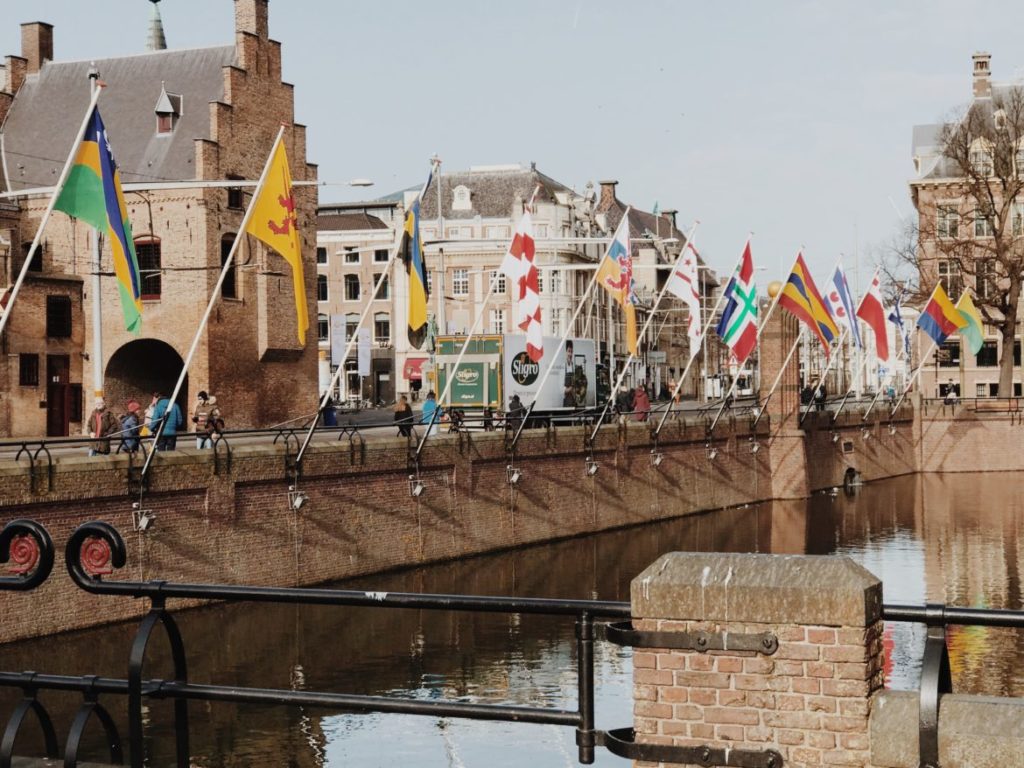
493, 191
49, 106
343, 222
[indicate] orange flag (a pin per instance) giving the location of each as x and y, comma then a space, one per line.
274, 222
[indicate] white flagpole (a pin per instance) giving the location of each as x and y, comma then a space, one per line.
350, 344
58, 188
778, 376
821, 380
214, 296
643, 331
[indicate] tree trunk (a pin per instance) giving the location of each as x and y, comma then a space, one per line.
1008, 329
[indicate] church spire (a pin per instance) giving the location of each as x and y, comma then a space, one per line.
157, 41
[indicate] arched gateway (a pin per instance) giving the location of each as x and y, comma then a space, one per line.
140, 368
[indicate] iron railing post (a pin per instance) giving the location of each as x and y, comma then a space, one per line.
585, 662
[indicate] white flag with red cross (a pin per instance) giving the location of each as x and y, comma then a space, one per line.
519, 267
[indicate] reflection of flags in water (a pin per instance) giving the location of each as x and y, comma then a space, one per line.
615, 274
872, 312
518, 265
841, 301
684, 284
896, 318
737, 327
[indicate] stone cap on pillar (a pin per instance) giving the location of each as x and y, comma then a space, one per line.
764, 589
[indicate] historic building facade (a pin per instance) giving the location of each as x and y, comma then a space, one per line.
175, 119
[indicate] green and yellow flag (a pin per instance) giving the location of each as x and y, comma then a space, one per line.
973, 333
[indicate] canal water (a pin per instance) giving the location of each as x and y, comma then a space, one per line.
951, 538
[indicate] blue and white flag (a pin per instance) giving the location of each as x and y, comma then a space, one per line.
843, 308
896, 318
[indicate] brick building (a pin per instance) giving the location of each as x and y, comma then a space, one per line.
956, 232
173, 117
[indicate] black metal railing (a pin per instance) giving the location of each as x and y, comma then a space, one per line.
96, 551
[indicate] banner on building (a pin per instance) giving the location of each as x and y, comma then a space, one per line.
337, 339
364, 351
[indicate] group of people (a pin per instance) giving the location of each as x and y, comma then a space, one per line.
134, 424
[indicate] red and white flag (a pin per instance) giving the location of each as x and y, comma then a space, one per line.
683, 283
520, 269
872, 312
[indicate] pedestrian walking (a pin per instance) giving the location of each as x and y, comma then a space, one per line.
641, 404
516, 411
165, 410
214, 422
200, 417
102, 424
131, 426
429, 407
330, 415
403, 416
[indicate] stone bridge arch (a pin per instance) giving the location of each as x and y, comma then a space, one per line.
140, 368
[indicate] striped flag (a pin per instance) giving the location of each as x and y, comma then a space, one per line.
801, 297
738, 326
939, 318
683, 283
896, 318
841, 301
518, 265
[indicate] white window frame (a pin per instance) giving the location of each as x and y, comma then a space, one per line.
460, 282
1017, 218
378, 253
982, 224
497, 321
947, 271
351, 257
502, 285
377, 316
946, 214
322, 280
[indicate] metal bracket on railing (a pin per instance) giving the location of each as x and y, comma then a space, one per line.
356, 443
33, 459
90, 707
28, 704
216, 454
622, 633
292, 468
935, 681
622, 742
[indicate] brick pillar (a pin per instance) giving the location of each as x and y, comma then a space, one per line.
251, 17
36, 44
810, 700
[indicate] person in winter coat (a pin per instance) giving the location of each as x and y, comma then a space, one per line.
641, 404
214, 423
130, 427
403, 416
200, 416
429, 406
102, 424
169, 437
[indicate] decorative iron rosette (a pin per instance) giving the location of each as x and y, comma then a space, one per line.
94, 550
27, 549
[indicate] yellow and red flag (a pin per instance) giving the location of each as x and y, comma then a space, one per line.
274, 221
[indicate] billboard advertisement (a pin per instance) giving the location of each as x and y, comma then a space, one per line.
571, 384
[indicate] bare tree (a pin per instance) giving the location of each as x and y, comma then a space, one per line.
971, 219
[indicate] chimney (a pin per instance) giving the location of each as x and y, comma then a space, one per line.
607, 197
36, 44
251, 17
982, 73
670, 214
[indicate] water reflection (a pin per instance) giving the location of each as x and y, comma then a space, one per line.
963, 551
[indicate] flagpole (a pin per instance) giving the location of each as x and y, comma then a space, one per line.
842, 403
821, 379
350, 344
757, 336
58, 188
643, 331
214, 296
699, 342
97, 292
778, 376
450, 377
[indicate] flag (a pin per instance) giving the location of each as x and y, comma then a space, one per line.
92, 193
972, 333
615, 274
841, 302
801, 297
683, 283
518, 265
738, 326
872, 312
896, 318
411, 250
274, 221
940, 318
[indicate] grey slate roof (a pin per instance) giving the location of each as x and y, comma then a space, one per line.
492, 193
342, 222
49, 107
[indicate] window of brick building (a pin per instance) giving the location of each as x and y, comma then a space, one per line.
351, 323
988, 355
460, 282
381, 255
323, 327
1017, 216
382, 327
147, 250
37, 257
497, 321
947, 221
949, 354
229, 288
58, 317
321, 255
1016, 353
951, 278
351, 287
501, 285
986, 280
28, 370
385, 289
321, 287
77, 401
983, 216
351, 257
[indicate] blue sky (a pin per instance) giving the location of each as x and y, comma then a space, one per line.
789, 119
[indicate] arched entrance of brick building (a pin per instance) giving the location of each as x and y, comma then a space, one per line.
140, 368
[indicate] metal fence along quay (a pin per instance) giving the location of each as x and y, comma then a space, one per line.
96, 550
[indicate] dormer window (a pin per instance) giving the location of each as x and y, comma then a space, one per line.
461, 200
168, 110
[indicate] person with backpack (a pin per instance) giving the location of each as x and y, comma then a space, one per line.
130, 427
165, 409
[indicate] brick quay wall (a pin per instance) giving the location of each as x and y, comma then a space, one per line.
236, 526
